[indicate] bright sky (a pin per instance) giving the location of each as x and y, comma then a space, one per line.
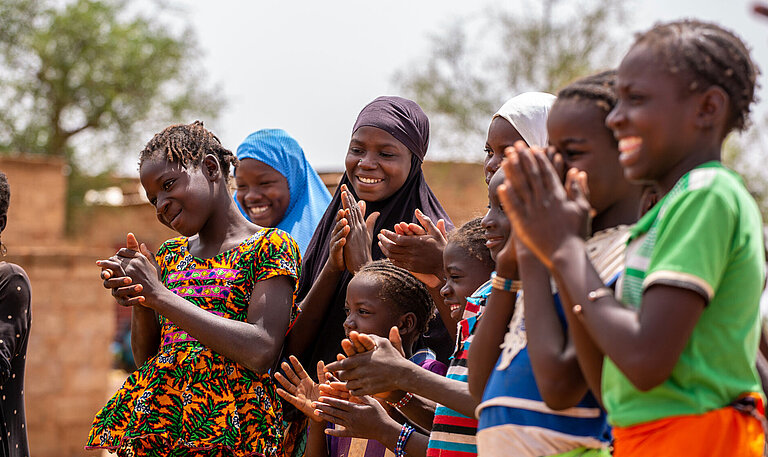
309, 67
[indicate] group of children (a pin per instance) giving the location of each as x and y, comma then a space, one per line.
607, 302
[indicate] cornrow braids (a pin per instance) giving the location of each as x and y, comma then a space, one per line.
708, 55
470, 237
188, 144
5, 194
600, 87
403, 289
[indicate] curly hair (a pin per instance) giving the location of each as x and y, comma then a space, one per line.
706, 54
403, 289
470, 237
5, 194
188, 144
600, 87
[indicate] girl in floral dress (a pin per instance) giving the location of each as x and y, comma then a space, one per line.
210, 312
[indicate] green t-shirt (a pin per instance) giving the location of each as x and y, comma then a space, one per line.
704, 235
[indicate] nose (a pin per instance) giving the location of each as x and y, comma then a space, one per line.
491, 166
161, 205
367, 162
253, 194
616, 117
445, 291
487, 221
349, 323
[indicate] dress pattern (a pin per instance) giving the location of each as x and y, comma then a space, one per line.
188, 399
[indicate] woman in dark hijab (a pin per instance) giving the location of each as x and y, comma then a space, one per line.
383, 168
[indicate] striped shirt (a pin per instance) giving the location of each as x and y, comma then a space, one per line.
453, 434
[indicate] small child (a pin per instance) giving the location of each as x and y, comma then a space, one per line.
210, 312
379, 297
680, 336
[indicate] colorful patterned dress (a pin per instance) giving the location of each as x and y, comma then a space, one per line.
188, 399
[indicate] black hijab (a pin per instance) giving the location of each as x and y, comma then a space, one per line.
404, 120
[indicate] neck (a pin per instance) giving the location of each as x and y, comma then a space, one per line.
699, 156
225, 229
623, 212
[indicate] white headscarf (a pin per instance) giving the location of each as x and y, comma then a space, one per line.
528, 113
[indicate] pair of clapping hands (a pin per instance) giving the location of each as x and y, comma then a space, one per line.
347, 404
131, 274
416, 248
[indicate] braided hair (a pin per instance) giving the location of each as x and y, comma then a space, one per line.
188, 144
5, 194
400, 287
470, 237
600, 87
705, 54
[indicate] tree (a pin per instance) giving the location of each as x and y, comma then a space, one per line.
85, 80
479, 63
744, 153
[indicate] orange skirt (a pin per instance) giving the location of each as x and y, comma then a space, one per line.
722, 432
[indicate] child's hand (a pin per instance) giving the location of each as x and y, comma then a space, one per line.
417, 248
359, 420
300, 390
141, 268
338, 240
357, 249
543, 215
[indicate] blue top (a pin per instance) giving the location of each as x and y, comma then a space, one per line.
309, 196
512, 401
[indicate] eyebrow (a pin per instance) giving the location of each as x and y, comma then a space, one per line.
574, 140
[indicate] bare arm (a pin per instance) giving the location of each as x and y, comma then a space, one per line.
553, 358
145, 334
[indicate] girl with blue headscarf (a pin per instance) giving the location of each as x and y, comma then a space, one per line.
277, 187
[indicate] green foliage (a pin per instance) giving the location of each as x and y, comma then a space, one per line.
478, 63
88, 80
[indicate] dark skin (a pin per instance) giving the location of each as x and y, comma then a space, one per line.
663, 132
262, 192
501, 135
463, 275
178, 194
577, 133
500, 306
417, 248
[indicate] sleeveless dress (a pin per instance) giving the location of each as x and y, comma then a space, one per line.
188, 399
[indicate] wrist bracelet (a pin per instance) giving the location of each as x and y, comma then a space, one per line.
599, 293
507, 285
403, 401
405, 433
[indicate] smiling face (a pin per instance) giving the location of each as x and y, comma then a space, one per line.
366, 311
577, 131
377, 164
496, 225
262, 192
654, 119
501, 135
182, 197
464, 273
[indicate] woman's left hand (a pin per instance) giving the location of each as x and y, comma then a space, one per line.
356, 420
357, 249
543, 214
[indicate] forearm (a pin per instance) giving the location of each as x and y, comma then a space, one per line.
489, 334
419, 410
555, 366
313, 310
389, 432
448, 392
616, 330
316, 441
145, 334
246, 343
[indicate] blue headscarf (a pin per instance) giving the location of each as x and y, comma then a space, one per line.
309, 196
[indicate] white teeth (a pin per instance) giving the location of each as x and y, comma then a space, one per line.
455, 307
369, 180
630, 144
258, 209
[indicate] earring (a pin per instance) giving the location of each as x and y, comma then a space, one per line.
3, 249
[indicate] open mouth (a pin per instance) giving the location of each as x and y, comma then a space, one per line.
629, 147
365, 180
256, 211
492, 240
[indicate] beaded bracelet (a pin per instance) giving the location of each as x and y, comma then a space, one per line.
405, 433
403, 401
507, 285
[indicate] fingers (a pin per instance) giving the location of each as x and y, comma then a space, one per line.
532, 173
126, 291
426, 222
114, 283
127, 253
290, 374
131, 242
366, 342
370, 222
133, 301
149, 255
290, 388
441, 227
348, 347
320, 371
396, 340
298, 368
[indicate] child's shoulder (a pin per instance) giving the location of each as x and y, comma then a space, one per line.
173, 244
714, 180
273, 236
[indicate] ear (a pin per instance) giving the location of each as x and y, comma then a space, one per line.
407, 324
713, 108
211, 167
